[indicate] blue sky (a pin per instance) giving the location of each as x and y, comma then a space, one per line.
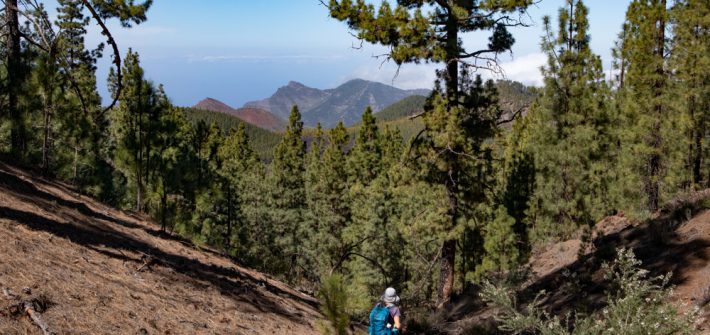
242, 50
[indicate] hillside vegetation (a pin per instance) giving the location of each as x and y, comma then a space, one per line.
498, 173
263, 141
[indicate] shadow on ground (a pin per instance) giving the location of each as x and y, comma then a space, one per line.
84, 226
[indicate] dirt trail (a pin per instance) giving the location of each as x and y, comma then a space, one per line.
110, 272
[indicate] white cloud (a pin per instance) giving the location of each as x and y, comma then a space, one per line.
410, 76
525, 69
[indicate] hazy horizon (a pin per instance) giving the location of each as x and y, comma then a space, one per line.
240, 51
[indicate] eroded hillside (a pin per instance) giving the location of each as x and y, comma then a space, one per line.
91, 269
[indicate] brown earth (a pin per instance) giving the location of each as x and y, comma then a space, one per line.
255, 116
260, 118
675, 240
97, 270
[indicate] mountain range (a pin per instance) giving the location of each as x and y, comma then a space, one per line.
347, 102
255, 116
344, 103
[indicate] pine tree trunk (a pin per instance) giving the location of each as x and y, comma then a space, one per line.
654, 161
48, 107
14, 77
698, 159
447, 264
45, 140
228, 234
76, 164
164, 210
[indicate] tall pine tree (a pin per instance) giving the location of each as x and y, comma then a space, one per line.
651, 120
415, 35
690, 61
573, 138
288, 203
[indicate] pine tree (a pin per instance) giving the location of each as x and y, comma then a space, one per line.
288, 201
208, 197
171, 188
649, 115
573, 139
690, 61
136, 124
365, 156
415, 36
83, 125
16, 75
18, 67
507, 235
330, 206
238, 162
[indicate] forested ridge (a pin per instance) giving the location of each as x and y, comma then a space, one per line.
442, 201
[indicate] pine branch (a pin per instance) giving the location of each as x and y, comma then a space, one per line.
513, 117
116, 55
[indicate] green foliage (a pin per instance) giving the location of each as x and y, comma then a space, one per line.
334, 298
573, 141
404, 108
136, 129
690, 60
262, 140
288, 197
637, 304
329, 206
426, 205
501, 245
651, 120
459, 118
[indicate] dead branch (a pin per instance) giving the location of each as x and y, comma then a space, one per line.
8, 294
414, 116
36, 318
147, 261
32, 308
512, 118
116, 54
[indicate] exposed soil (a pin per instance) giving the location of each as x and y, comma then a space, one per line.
675, 240
98, 270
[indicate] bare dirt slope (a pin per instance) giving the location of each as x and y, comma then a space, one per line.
91, 269
675, 240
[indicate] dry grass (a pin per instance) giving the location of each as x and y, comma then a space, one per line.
111, 272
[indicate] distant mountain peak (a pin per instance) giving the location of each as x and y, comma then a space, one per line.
344, 103
295, 84
255, 116
214, 105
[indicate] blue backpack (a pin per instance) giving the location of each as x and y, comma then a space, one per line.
379, 318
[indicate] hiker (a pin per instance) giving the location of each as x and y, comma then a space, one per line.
385, 318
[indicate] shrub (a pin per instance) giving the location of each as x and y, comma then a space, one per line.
637, 305
334, 301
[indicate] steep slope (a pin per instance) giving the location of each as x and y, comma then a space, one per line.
406, 107
674, 240
214, 105
97, 270
262, 141
255, 116
344, 103
295, 93
260, 118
